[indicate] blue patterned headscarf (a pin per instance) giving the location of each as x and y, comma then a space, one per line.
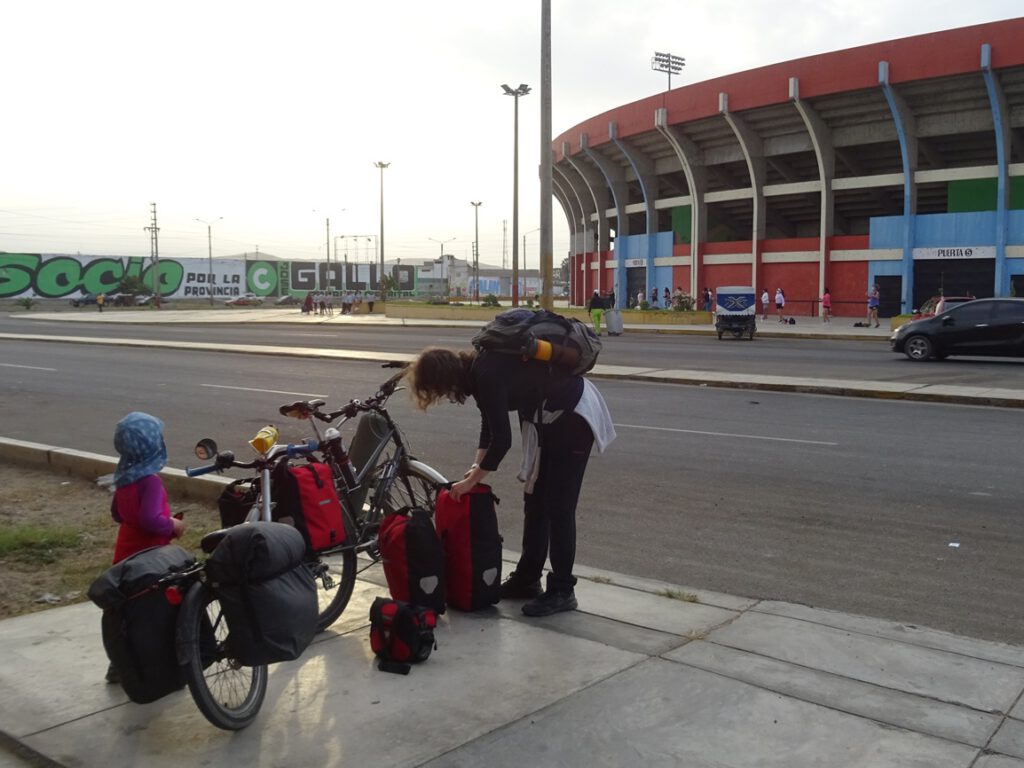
139, 439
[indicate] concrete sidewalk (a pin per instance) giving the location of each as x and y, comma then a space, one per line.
644, 674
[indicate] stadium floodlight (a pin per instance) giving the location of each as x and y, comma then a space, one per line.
666, 62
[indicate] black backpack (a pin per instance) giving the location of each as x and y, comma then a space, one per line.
139, 622
571, 344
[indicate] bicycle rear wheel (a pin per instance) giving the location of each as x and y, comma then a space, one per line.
414, 485
228, 694
335, 574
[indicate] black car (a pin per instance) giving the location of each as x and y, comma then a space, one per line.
979, 327
288, 301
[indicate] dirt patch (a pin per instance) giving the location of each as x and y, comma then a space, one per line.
72, 537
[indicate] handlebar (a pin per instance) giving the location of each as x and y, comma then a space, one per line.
226, 459
304, 409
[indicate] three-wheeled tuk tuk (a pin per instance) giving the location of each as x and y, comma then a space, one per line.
735, 311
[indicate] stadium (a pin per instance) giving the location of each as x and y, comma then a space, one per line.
899, 164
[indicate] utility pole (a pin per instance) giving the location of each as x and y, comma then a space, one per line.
476, 251
546, 170
154, 252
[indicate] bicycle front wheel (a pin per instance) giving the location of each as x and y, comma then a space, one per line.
335, 574
228, 694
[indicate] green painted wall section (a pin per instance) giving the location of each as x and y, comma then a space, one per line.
682, 224
969, 195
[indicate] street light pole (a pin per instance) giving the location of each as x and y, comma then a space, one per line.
515, 93
476, 250
209, 253
381, 165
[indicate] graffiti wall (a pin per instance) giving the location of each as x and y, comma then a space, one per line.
56, 276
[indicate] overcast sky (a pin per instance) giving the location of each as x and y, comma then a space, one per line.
272, 114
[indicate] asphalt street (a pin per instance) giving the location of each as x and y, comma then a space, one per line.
819, 358
848, 504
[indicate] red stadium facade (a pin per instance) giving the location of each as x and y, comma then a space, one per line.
899, 164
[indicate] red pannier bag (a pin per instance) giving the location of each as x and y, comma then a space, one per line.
413, 558
306, 498
472, 548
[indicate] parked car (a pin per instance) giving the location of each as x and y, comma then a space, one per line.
245, 300
147, 299
979, 327
947, 302
85, 300
288, 301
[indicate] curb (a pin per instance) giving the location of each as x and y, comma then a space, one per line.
91, 466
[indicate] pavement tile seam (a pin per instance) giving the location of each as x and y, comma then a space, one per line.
846, 628
864, 682
1003, 721
817, 701
25, 753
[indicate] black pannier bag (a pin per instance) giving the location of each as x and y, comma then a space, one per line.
139, 623
236, 501
267, 593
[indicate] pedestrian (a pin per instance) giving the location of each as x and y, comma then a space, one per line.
370, 298
654, 298
764, 303
346, 303
826, 306
707, 299
609, 300
639, 299
100, 301
307, 304
780, 303
139, 504
667, 298
873, 299
564, 413
677, 295
322, 303
595, 306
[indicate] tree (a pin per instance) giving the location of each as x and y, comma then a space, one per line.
132, 285
563, 270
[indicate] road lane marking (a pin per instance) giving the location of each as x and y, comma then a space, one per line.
270, 391
726, 434
30, 367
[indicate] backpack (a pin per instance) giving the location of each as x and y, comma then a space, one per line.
401, 634
413, 558
541, 335
305, 497
267, 593
236, 500
472, 548
139, 623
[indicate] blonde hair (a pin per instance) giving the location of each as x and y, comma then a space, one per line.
440, 374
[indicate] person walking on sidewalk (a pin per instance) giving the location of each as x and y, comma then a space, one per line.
765, 298
780, 303
596, 307
101, 299
565, 414
873, 299
826, 306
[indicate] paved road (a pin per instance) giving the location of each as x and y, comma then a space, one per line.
840, 503
816, 358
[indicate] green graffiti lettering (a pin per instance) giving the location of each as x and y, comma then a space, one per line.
16, 270
134, 268
261, 278
171, 275
102, 275
58, 277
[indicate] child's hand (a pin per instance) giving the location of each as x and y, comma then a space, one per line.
179, 528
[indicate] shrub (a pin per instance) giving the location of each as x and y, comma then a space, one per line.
26, 302
683, 302
644, 304
490, 300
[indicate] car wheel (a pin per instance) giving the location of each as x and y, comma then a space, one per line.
918, 348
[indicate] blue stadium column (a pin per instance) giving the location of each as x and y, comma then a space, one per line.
616, 181
643, 168
1001, 121
906, 132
